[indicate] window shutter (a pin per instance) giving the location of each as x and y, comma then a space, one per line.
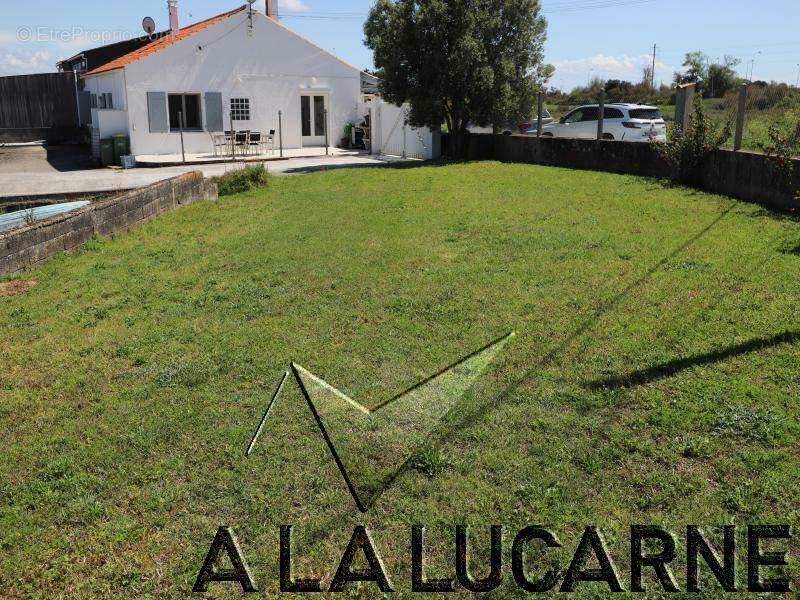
214, 112
157, 112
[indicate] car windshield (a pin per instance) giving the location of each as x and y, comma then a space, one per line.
648, 114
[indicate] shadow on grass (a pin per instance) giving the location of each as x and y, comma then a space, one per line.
398, 164
461, 417
464, 416
673, 367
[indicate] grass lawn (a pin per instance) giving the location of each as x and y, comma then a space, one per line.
653, 376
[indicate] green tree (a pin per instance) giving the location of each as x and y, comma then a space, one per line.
696, 65
722, 78
459, 62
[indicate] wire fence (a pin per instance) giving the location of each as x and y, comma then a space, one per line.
771, 110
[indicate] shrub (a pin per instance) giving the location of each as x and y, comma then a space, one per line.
782, 146
686, 150
242, 180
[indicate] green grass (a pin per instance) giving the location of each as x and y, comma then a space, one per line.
639, 387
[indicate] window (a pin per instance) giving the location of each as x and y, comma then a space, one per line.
648, 114
613, 113
104, 101
319, 115
240, 109
591, 113
305, 110
574, 117
186, 106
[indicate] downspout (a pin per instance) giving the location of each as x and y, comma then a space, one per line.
128, 109
77, 98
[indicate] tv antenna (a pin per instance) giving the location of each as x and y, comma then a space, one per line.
250, 16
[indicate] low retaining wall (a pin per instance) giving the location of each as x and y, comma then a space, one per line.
31, 245
749, 176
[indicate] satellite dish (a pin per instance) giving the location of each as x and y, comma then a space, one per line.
149, 25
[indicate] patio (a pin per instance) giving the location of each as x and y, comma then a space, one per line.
172, 160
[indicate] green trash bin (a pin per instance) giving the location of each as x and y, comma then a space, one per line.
107, 152
122, 147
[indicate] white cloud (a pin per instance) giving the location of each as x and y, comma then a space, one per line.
7, 38
19, 63
572, 72
293, 5
287, 5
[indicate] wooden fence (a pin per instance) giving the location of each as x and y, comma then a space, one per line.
38, 101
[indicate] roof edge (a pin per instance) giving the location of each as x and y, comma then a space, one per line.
199, 26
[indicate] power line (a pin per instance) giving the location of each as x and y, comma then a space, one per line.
563, 6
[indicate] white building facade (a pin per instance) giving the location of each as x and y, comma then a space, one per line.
239, 71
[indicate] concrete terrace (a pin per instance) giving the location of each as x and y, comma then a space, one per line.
14, 185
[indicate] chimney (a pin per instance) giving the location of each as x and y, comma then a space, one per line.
174, 27
272, 8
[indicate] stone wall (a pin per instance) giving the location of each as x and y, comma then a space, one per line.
747, 176
31, 245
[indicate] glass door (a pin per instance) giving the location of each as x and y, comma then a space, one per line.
312, 117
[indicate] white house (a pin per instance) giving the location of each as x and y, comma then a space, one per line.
237, 70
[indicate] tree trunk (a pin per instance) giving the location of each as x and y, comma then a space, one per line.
458, 143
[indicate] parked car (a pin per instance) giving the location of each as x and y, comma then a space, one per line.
624, 122
531, 126
512, 127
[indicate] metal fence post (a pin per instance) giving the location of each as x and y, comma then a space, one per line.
737, 143
280, 130
180, 126
233, 139
327, 142
539, 105
601, 114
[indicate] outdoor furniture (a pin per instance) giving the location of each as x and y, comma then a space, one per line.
241, 141
270, 140
254, 141
220, 141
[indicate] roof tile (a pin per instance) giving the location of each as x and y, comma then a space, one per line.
162, 43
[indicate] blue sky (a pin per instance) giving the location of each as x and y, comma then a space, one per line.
605, 38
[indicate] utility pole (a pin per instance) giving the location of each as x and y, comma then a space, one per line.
753, 65
653, 72
798, 75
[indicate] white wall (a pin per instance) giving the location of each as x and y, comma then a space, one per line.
271, 68
112, 82
391, 135
110, 122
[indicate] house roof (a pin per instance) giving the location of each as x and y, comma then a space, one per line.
100, 56
185, 32
162, 43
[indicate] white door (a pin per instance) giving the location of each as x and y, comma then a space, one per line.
313, 116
